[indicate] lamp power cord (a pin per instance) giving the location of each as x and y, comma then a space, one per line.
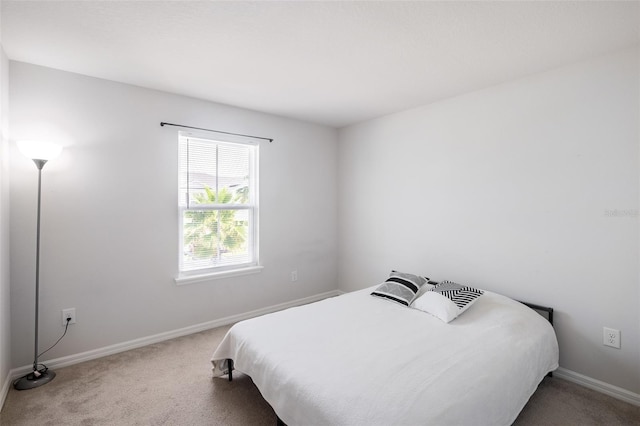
39, 372
57, 341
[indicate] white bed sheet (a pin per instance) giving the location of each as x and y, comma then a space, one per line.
360, 360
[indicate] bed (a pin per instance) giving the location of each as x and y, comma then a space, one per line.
355, 359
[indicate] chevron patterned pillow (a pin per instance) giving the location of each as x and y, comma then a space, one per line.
447, 300
400, 287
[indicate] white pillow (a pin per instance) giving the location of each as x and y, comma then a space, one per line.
447, 300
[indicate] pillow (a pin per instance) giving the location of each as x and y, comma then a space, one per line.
426, 287
447, 300
400, 287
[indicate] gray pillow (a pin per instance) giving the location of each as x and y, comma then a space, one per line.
400, 287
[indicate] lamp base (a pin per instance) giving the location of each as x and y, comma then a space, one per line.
31, 381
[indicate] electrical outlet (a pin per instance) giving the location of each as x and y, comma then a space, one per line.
294, 276
68, 313
611, 337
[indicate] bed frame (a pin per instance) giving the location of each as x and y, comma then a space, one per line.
542, 310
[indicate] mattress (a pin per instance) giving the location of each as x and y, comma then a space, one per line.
360, 360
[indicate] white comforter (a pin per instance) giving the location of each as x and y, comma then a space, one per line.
360, 360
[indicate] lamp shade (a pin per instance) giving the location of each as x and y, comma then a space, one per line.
39, 150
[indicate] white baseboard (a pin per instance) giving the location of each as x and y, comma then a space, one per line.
5, 389
597, 385
156, 338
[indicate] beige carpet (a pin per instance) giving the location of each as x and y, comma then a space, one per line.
170, 383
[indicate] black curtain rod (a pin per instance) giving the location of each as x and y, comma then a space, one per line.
162, 123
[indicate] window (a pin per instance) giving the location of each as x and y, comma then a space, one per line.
218, 203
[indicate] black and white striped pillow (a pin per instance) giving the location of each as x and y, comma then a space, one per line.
400, 287
447, 300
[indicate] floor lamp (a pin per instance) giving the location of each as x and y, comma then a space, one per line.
40, 153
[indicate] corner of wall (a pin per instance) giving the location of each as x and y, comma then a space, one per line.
5, 302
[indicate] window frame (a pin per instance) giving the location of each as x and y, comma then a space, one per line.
186, 276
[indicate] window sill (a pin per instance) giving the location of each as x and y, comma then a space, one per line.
190, 279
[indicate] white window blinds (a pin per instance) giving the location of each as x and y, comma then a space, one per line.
218, 199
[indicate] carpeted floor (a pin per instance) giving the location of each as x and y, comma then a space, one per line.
170, 383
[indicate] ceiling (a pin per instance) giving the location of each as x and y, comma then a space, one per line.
330, 62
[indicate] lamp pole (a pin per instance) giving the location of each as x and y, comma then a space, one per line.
40, 153
39, 164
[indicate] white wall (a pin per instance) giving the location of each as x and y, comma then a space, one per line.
512, 189
5, 305
109, 212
